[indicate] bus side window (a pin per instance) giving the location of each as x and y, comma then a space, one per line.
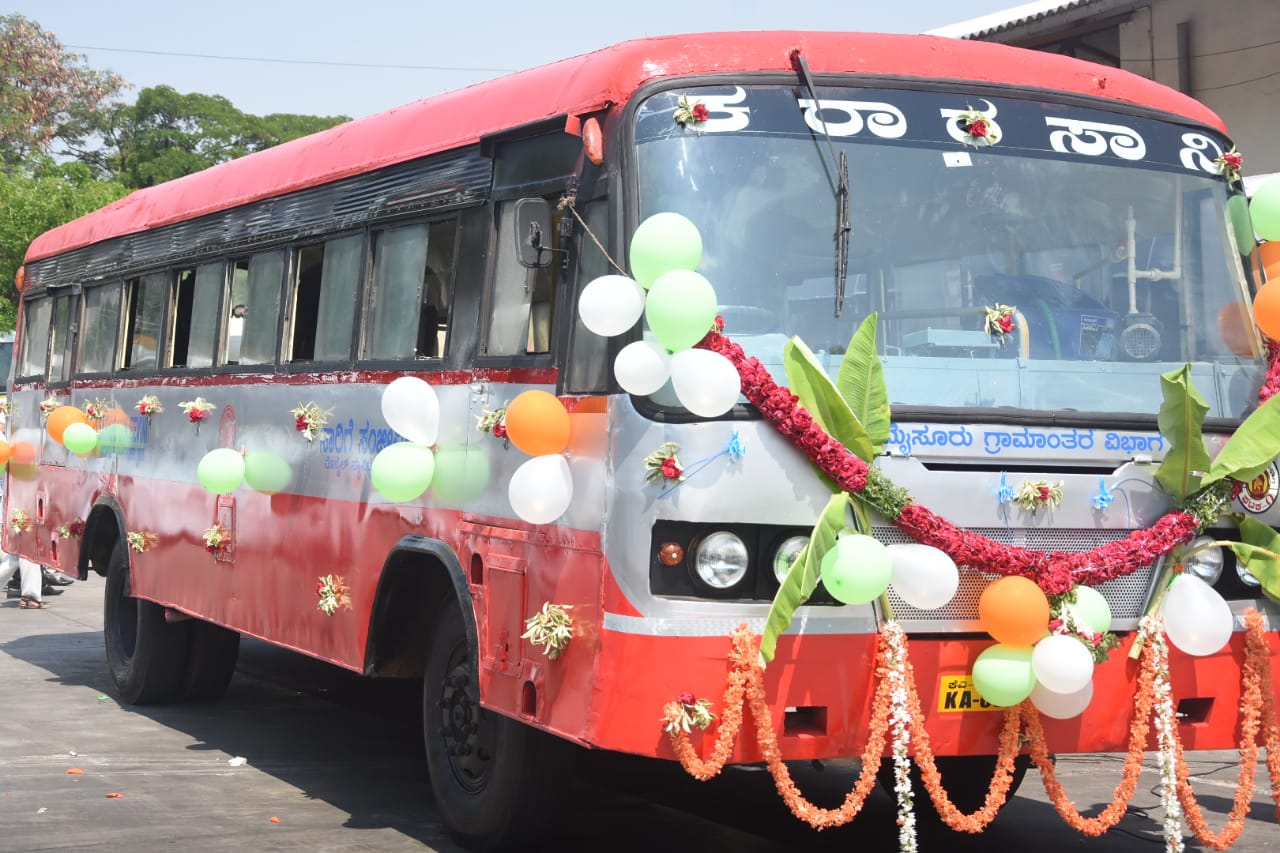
411, 291
35, 337
324, 299
142, 322
194, 334
99, 330
521, 303
61, 338
254, 321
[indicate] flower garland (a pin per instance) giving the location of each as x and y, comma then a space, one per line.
900, 723
663, 465
1166, 735
149, 405
309, 419
687, 713
551, 628
333, 592
1055, 572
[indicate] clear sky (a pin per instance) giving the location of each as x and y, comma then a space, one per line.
439, 46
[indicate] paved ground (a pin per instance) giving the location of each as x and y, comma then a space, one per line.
338, 761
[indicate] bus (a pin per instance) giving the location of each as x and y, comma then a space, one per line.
1039, 240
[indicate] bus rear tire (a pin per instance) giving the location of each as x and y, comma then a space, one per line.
497, 784
211, 660
146, 655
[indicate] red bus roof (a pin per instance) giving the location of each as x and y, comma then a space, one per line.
583, 84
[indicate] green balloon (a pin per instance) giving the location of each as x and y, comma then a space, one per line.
1265, 210
221, 471
115, 438
1092, 610
80, 439
267, 472
857, 570
664, 242
1241, 224
402, 471
462, 475
681, 309
1003, 675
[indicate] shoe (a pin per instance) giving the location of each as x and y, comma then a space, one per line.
56, 578
50, 590
31, 604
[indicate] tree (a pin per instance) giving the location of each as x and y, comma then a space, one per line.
46, 95
33, 203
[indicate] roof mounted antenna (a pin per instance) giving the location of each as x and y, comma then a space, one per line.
841, 163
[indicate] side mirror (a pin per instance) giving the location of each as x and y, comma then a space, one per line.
533, 232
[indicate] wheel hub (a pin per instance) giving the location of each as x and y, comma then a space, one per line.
464, 730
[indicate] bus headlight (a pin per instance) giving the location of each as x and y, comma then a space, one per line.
1245, 578
720, 560
785, 555
1206, 563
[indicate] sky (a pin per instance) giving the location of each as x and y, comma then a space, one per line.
436, 46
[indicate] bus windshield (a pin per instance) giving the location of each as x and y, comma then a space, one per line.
1106, 239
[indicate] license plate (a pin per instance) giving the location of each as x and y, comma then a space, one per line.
956, 694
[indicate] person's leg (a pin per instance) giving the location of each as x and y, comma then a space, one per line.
32, 581
8, 566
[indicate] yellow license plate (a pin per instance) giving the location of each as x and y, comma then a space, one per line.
956, 693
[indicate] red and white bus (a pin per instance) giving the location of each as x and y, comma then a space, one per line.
449, 239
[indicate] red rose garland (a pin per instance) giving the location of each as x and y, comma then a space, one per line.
1271, 384
1055, 572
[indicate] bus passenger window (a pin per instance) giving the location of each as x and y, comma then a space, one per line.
194, 334
324, 299
142, 329
254, 319
99, 330
61, 339
35, 337
411, 291
522, 299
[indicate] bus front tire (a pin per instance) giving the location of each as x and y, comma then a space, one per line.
497, 783
146, 655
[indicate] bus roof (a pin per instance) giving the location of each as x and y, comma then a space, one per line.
584, 84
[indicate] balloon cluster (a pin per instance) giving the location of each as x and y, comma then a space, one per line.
541, 489
1264, 218
860, 568
224, 470
403, 471
69, 426
680, 307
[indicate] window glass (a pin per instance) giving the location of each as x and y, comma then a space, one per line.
142, 332
101, 325
35, 337
61, 337
588, 368
195, 316
255, 309
324, 299
399, 270
521, 307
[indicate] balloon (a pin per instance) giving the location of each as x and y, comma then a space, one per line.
80, 438
1062, 664
610, 305
266, 472
664, 242
402, 471
411, 408
1014, 611
642, 367
857, 569
541, 489
1241, 225
1091, 610
706, 383
115, 438
116, 415
221, 471
1265, 210
1196, 618
1235, 327
681, 309
1003, 676
61, 418
537, 423
1266, 309
24, 460
1062, 706
4, 452
923, 576
462, 475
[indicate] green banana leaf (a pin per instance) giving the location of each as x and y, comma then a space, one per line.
1258, 553
861, 383
819, 396
1180, 418
1252, 448
803, 577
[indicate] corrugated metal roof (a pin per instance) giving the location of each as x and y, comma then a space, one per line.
997, 22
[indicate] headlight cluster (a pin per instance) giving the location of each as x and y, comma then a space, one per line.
732, 561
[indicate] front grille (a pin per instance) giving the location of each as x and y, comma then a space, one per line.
1126, 595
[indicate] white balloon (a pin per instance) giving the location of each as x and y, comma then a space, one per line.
924, 576
611, 304
411, 408
642, 367
1196, 618
705, 382
1061, 706
1062, 664
541, 489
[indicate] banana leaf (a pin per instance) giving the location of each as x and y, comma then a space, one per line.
1252, 448
818, 394
1259, 553
1180, 419
802, 579
861, 383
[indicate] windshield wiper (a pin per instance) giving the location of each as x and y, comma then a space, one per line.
841, 163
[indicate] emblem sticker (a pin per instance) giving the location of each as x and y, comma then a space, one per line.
1259, 494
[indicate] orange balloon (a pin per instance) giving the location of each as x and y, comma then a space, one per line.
537, 423
61, 418
1014, 610
4, 452
117, 416
1266, 309
23, 457
1235, 326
